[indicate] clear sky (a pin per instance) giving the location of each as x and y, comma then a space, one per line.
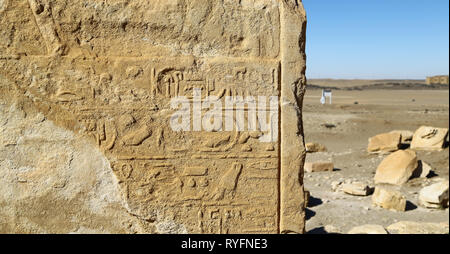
377, 39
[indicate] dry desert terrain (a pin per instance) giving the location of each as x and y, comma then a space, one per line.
344, 128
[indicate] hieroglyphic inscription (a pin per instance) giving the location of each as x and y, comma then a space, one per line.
118, 94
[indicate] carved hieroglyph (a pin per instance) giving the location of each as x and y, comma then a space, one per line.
107, 70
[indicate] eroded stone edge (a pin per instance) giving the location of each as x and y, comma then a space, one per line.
293, 85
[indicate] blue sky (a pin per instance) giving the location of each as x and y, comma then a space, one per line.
377, 39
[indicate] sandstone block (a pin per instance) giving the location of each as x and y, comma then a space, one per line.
384, 143
429, 138
388, 198
357, 189
397, 168
406, 136
315, 148
435, 196
312, 167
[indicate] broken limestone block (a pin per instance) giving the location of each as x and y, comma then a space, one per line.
406, 136
397, 168
384, 143
312, 167
423, 170
357, 189
435, 196
315, 148
130, 79
368, 229
429, 139
388, 198
411, 227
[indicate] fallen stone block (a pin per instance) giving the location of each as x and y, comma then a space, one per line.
312, 167
384, 143
429, 139
406, 136
388, 198
435, 196
368, 229
357, 189
315, 148
397, 168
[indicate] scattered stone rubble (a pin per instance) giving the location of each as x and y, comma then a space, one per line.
401, 166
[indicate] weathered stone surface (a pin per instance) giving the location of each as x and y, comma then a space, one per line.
406, 136
429, 138
312, 167
106, 72
52, 182
435, 196
293, 87
315, 148
384, 143
397, 168
389, 198
411, 227
357, 189
368, 229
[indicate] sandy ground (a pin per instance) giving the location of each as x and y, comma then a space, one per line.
377, 111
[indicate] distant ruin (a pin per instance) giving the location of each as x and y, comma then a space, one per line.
438, 80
